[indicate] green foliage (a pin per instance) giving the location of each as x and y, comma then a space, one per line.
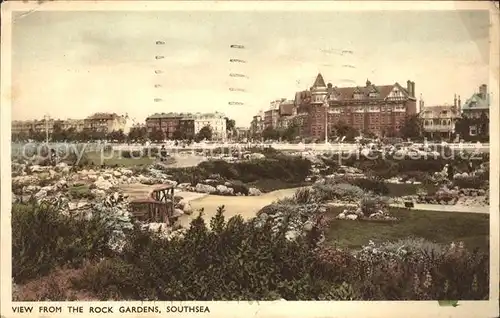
376, 186
43, 238
338, 191
471, 182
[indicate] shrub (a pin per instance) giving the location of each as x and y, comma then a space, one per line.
471, 182
304, 196
375, 186
132, 154
371, 205
340, 191
43, 238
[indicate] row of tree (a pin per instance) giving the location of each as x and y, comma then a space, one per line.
412, 128
136, 134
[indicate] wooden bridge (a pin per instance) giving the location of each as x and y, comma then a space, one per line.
154, 204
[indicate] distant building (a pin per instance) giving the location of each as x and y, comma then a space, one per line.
242, 133
257, 125
216, 121
271, 117
439, 121
168, 123
287, 112
22, 126
476, 107
107, 122
75, 124
376, 109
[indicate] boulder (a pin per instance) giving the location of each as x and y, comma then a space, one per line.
254, 192
351, 217
204, 188
187, 209
222, 189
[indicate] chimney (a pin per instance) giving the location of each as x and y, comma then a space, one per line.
483, 90
409, 87
455, 101
412, 89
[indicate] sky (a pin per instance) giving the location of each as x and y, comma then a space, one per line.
72, 64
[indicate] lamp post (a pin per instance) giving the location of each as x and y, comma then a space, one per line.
46, 117
325, 103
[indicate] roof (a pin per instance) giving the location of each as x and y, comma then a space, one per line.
107, 116
476, 101
347, 93
319, 82
286, 109
442, 111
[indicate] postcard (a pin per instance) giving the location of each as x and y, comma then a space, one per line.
250, 158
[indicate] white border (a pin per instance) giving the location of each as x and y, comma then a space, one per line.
266, 309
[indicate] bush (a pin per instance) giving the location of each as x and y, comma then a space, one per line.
472, 182
128, 154
375, 186
371, 205
340, 191
236, 260
43, 238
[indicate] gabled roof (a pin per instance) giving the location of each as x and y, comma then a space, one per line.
476, 101
444, 111
319, 82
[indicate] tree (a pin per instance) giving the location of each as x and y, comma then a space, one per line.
179, 135
483, 126
137, 134
291, 132
230, 126
204, 133
412, 127
117, 135
269, 133
157, 135
341, 129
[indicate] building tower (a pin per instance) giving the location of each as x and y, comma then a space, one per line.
318, 91
318, 110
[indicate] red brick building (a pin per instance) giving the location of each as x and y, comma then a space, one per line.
371, 108
169, 123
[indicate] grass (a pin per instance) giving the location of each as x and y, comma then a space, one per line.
402, 189
439, 227
269, 185
115, 160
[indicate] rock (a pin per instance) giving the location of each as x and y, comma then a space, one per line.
204, 188
102, 184
351, 217
308, 226
254, 192
292, 235
187, 209
177, 213
222, 189
171, 182
341, 216
117, 174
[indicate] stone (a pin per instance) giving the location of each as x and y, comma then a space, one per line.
341, 216
308, 226
351, 217
187, 209
254, 192
204, 188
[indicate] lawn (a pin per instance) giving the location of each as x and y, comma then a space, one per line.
115, 159
402, 189
439, 227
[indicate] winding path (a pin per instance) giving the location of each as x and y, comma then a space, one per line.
248, 206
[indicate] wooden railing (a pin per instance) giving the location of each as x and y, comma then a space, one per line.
158, 207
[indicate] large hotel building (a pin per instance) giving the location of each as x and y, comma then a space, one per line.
377, 109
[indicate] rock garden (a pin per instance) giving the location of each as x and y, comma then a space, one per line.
343, 214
